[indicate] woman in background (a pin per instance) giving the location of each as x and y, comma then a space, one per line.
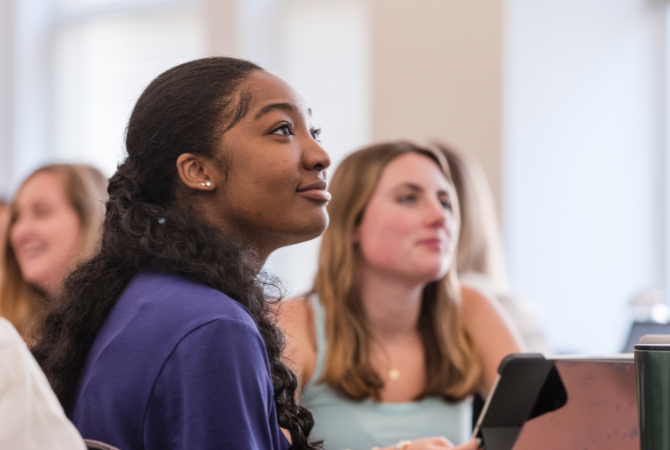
388, 345
55, 223
480, 260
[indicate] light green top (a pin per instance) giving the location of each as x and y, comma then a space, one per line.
361, 425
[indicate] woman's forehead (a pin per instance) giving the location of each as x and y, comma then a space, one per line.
266, 88
41, 186
415, 168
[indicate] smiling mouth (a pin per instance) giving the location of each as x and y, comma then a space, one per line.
32, 250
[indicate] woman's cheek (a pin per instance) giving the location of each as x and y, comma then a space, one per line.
386, 243
63, 235
380, 254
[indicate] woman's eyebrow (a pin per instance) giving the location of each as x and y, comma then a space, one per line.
412, 186
287, 107
416, 187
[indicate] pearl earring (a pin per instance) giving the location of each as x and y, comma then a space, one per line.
208, 184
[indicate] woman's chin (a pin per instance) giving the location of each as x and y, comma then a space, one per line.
430, 273
316, 226
46, 280
306, 231
40, 283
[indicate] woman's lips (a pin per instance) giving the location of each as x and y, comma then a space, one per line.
432, 243
315, 191
32, 250
316, 194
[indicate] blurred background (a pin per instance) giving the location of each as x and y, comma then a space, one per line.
563, 102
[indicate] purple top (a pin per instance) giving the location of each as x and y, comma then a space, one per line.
177, 365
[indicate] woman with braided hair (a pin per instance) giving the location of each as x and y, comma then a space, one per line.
165, 339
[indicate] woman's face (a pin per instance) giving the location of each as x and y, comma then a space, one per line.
271, 188
45, 231
408, 229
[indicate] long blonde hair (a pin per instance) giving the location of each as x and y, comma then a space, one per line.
453, 367
85, 188
480, 246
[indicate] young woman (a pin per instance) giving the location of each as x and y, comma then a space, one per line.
164, 339
55, 222
387, 346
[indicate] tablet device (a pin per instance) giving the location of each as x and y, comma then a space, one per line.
561, 403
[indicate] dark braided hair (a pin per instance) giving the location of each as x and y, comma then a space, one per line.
145, 228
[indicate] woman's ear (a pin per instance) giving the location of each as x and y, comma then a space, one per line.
195, 172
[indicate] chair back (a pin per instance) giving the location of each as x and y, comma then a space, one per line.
97, 445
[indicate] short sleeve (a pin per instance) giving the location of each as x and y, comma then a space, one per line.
215, 391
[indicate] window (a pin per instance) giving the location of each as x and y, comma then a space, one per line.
104, 55
82, 64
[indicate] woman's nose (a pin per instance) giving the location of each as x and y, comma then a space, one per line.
314, 156
436, 214
23, 227
18, 231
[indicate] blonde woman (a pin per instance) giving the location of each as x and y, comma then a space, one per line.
480, 260
387, 346
55, 222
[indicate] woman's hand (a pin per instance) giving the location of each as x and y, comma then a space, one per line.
440, 443
434, 443
472, 445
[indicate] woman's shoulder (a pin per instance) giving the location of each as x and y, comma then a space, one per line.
296, 320
160, 309
296, 310
156, 314
159, 293
478, 301
491, 330
483, 311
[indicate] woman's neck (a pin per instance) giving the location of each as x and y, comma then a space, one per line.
392, 305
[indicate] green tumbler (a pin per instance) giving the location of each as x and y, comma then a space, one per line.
652, 373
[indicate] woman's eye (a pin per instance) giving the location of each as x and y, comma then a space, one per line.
407, 199
41, 212
316, 134
446, 204
284, 130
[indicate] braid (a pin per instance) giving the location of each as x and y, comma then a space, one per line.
144, 228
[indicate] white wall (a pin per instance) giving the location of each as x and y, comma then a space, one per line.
5, 98
437, 70
584, 162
